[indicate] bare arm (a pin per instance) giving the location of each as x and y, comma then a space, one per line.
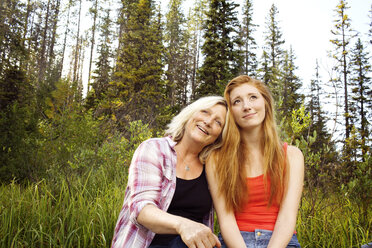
194, 234
145, 179
287, 216
229, 229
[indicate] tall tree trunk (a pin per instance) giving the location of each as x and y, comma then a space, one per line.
53, 39
92, 43
65, 39
75, 71
42, 60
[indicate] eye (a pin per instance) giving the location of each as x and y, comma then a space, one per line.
219, 123
236, 101
253, 97
204, 111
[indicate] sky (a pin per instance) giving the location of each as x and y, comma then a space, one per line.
306, 26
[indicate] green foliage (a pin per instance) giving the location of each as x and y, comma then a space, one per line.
138, 84
273, 53
80, 211
18, 144
223, 60
249, 45
334, 223
103, 72
40, 216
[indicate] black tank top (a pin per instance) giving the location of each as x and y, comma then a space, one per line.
191, 200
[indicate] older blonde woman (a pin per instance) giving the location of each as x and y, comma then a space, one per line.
167, 202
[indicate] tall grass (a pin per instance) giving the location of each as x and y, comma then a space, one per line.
334, 223
38, 215
35, 216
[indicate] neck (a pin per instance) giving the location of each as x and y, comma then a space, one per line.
187, 150
252, 138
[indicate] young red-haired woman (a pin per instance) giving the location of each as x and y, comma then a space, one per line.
255, 179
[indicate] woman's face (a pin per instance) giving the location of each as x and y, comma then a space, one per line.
247, 106
206, 125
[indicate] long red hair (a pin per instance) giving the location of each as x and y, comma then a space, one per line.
230, 159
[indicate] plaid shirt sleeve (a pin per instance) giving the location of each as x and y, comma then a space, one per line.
145, 178
152, 163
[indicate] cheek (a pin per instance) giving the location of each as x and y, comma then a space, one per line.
234, 112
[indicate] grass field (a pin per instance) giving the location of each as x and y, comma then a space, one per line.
45, 215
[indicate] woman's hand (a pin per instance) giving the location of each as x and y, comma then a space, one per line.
193, 234
197, 235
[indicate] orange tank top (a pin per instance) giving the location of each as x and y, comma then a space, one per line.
255, 213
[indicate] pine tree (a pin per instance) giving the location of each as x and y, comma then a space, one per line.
274, 52
249, 44
138, 88
103, 72
290, 84
12, 50
176, 55
317, 113
222, 59
343, 34
195, 32
361, 94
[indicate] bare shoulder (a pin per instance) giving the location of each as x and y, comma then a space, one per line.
210, 164
294, 151
295, 156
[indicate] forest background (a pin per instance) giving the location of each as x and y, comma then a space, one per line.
65, 148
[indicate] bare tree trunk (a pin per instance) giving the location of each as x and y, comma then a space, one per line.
42, 61
92, 43
75, 72
65, 40
53, 40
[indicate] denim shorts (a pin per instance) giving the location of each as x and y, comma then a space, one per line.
260, 239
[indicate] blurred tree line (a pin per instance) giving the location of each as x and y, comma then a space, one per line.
149, 66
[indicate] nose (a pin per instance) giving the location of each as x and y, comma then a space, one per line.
247, 105
208, 121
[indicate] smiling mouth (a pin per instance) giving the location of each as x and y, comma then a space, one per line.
203, 130
249, 115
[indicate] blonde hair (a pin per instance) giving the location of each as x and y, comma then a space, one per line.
176, 128
230, 159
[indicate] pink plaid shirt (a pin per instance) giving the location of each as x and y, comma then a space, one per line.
151, 180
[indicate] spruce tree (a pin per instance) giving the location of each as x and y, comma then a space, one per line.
361, 94
274, 52
222, 58
342, 35
196, 18
290, 84
317, 113
137, 89
249, 44
176, 55
102, 75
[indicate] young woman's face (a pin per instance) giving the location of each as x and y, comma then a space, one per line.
206, 125
247, 106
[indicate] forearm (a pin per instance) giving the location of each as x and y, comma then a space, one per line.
283, 232
231, 234
286, 221
159, 221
